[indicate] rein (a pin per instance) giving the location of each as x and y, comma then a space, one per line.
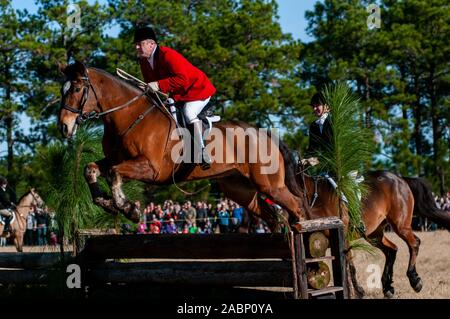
315, 194
83, 117
159, 104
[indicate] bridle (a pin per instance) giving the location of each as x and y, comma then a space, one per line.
39, 203
83, 117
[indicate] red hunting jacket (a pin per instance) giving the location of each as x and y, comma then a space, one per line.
177, 76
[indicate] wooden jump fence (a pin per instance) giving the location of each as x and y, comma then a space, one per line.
244, 260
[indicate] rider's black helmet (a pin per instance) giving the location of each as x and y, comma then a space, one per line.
144, 33
317, 99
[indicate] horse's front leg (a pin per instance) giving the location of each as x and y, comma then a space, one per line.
136, 169
91, 173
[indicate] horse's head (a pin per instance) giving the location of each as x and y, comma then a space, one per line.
37, 200
78, 98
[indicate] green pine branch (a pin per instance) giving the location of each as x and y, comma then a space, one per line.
351, 148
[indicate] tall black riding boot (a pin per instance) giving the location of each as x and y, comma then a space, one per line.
205, 162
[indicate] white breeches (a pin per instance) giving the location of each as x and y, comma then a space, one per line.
192, 109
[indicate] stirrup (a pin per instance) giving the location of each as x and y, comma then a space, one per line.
206, 161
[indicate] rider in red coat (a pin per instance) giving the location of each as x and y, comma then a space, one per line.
166, 70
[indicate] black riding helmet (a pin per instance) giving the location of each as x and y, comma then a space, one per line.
144, 33
317, 99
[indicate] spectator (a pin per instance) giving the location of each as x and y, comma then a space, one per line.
170, 227
155, 226
41, 224
30, 233
142, 227
193, 229
260, 228
185, 228
181, 218
237, 215
208, 227
148, 213
223, 218
191, 213
53, 239
202, 215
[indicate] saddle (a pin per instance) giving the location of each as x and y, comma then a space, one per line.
6, 222
206, 115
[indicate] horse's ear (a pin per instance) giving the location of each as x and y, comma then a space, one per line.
32, 189
62, 67
80, 68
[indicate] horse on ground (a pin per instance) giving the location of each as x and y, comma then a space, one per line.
391, 199
18, 225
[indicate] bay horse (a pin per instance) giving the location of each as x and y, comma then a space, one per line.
136, 146
391, 199
27, 203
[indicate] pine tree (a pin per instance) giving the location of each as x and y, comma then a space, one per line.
238, 44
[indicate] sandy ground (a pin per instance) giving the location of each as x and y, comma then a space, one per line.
433, 266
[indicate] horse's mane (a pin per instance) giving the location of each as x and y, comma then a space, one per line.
23, 196
125, 83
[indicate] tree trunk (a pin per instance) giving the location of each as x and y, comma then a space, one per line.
417, 121
437, 133
367, 97
9, 123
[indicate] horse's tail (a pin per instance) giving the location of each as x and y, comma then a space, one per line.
424, 204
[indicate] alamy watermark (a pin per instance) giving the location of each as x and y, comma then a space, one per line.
73, 21
374, 19
74, 279
232, 145
374, 279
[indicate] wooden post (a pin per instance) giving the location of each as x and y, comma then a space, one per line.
339, 269
301, 266
294, 265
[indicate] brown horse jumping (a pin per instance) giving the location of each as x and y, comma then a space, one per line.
391, 199
137, 146
27, 203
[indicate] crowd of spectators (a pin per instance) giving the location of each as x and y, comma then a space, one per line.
41, 229
443, 202
193, 218
424, 224
224, 216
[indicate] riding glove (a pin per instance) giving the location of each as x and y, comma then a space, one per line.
153, 86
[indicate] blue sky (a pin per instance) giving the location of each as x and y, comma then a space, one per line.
291, 18
291, 13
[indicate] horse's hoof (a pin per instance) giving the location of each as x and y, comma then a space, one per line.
360, 293
389, 293
418, 286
